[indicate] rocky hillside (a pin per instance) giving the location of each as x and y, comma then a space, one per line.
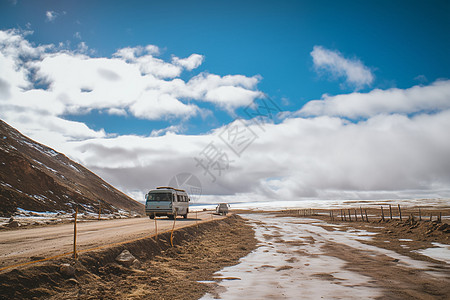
37, 178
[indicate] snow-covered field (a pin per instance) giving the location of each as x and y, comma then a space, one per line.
325, 204
27, 217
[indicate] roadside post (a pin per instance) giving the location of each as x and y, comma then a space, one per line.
196, 219
156, 228
173, 228
75, 256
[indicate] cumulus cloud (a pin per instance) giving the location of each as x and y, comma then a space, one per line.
50, 15
315, 158
56, 81
363, 105
145, 58
395, 144
355, 73
190, 62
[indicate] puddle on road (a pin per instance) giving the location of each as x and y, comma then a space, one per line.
294, 266
291, 264
439, 252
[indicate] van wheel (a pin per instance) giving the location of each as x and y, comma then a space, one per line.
171, 217
185, 216
151, 217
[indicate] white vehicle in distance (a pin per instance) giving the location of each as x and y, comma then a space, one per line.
167, 201
222, 209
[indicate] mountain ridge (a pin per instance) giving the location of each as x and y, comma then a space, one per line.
38, 178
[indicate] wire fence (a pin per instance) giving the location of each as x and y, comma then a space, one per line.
383, 213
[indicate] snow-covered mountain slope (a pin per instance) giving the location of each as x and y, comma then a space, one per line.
35, 177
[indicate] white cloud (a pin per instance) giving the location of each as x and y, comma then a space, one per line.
356, 74
315, 158
400, 148
50, 15
229, 91
189, 63
117, 111
231, 97
170, 129
363, 105
152, 105
144, 58
132, 82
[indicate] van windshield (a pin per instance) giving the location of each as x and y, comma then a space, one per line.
159, 197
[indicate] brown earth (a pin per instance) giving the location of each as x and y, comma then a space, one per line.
21, 245
397, 281
165, 273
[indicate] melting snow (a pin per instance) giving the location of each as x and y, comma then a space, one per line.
291, 264
275, 270
48, 168
439, 252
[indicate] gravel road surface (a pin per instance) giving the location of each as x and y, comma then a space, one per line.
23, 245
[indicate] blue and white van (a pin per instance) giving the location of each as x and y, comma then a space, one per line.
167, 201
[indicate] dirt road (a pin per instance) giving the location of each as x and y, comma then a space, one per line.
19, 246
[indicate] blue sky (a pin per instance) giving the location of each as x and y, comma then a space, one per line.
397, 40
325, 62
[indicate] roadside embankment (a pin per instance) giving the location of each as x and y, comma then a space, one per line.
160, 270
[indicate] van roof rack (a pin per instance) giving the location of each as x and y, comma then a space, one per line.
169, 188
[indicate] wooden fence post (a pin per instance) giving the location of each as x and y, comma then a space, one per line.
382, 213
367, 219
360, 210
420, 215
390, 211
173, 228
349, 216
356, 216
75, 256
431, 216
156, 228
399, 212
